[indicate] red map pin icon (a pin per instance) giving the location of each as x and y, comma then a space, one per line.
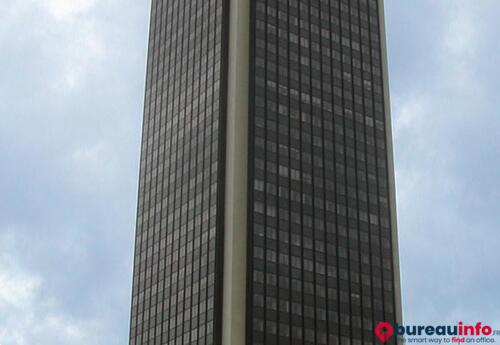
384, 331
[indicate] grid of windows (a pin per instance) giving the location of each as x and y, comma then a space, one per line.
320, 247
178, 233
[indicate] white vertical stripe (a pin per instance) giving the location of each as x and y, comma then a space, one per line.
235, 222
390, 167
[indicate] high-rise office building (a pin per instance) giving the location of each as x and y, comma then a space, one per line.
266, 210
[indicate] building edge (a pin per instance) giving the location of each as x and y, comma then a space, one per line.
390, 165
150, 30
235, 209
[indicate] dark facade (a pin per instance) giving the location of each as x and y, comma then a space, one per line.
180, 190
321, 256
321, 261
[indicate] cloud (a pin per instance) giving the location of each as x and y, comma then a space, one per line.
16, 288
71, 98
74, 40
28, 317
83, 53
459, 48
444, 130
66, 37
92, 166
68, 9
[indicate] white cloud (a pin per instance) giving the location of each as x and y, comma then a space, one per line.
66, 9
443, 237
67, 38
459, 47
426, 119
65, 277
29, 317
16, 288
73, 40
410, 114
84, 50
92, 167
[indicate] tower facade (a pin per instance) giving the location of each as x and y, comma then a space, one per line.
266, 211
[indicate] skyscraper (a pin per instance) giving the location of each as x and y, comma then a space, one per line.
266, 211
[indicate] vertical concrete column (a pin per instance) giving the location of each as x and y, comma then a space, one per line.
235, 222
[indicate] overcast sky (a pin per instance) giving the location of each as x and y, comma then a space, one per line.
71, 94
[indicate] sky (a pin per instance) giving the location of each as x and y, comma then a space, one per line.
71, 95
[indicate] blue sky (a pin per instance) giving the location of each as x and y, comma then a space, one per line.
70, 116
